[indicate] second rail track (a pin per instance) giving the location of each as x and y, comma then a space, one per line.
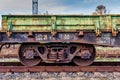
95, 67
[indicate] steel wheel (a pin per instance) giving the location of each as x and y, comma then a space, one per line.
78, 60
28, 55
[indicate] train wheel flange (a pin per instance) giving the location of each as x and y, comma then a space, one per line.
28, 56
85, 57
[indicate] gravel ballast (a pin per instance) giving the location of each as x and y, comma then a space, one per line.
61, 76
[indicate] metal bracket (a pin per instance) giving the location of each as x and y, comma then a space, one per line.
30, 36
8, 34
10, 27
114, 28
81, 34
54, 27
97, 28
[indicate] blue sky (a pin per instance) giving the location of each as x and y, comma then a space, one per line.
58, 6
78, 6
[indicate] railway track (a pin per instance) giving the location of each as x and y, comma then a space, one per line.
95, 67
59, 69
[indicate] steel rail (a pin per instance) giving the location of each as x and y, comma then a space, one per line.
59, 69
95, 67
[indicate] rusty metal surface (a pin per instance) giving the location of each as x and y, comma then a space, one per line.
97, 30
56, 31
12, 52
33, 54
28, 55
106, 39
95, 67
16, 28
59, 69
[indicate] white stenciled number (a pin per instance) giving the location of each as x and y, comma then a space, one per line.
41, 37
44, 37
66, 36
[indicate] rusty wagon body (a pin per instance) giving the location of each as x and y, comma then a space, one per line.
59, 38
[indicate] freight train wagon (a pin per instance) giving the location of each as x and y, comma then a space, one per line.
59, 38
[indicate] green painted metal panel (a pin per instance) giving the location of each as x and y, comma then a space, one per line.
60, 22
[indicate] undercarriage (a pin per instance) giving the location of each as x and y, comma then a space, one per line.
33, 54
